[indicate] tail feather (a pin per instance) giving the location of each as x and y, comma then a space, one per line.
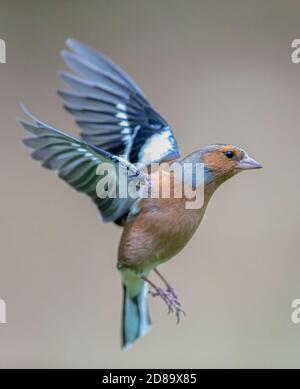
136, 320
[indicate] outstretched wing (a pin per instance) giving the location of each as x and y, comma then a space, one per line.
111, 109
78, 163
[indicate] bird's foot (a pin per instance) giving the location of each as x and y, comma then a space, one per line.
169, 296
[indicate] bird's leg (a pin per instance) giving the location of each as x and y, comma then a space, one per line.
167, 296
169, 287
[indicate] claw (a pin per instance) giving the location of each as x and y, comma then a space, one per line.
169, 296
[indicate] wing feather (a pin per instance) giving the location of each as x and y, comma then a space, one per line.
111, 110
77, 162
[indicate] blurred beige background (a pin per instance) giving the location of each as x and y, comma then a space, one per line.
219, 71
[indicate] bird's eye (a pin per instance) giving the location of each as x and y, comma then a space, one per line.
229, 154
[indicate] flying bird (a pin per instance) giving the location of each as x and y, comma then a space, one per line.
120, 127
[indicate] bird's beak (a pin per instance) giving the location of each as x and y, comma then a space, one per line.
248, 163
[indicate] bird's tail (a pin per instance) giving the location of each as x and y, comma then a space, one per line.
136, 320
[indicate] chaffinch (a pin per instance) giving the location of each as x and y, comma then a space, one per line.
120, 127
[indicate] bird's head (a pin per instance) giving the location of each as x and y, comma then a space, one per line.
223, 161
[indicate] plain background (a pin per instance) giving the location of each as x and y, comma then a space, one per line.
219, 71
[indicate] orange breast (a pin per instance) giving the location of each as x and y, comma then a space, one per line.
160, 230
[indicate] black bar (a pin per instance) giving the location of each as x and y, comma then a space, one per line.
133, 377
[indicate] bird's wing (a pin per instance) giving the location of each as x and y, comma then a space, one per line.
111, 109
82, 166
